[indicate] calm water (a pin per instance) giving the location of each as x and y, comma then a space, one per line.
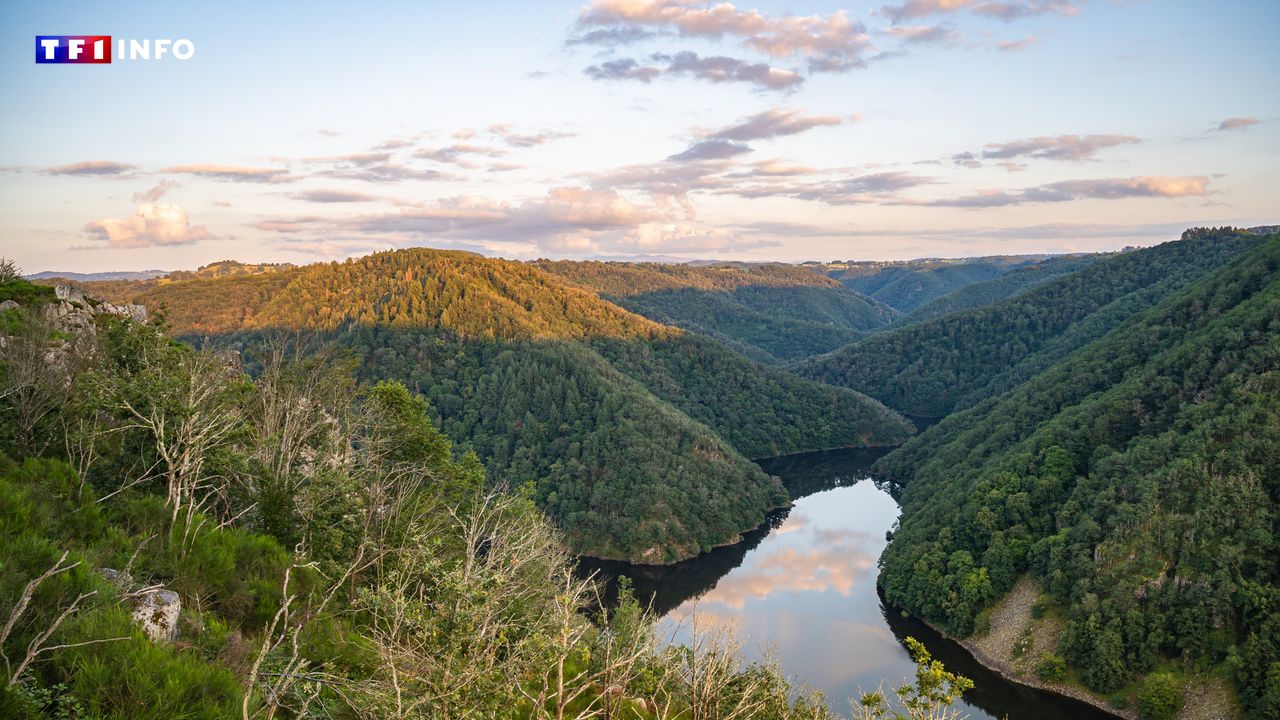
804, 585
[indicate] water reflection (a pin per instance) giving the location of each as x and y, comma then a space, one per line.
804, 585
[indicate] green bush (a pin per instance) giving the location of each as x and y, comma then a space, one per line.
1051, 668
140, 680
1160, 697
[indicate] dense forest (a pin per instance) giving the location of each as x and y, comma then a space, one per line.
1011, 284
636, 435
932, 368
908, 284
1137, 479
770, 312
179, 540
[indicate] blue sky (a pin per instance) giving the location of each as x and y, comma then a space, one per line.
619, 128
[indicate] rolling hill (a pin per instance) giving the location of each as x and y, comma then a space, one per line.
1137, 480
770, 312
935, 367
909, 284
636, 434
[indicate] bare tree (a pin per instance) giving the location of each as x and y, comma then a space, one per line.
184, 401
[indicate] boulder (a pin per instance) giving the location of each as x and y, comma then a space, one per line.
156, 612
68, 293
9, 305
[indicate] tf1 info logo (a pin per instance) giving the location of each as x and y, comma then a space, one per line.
96, 49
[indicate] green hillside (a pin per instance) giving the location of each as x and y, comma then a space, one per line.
636, 434
1011, 284
932, 368
908, 284
770, 312
1137, 480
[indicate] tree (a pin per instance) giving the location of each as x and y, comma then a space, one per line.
1160, 697
188, 403
9, 271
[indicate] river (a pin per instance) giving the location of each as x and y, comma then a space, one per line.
804, 585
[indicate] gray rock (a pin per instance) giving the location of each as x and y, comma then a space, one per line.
135, 312
9, 305
122, 580
156, 612
68, 293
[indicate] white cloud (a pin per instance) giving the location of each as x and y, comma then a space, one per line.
150, 225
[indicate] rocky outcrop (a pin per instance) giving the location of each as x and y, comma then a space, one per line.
73, 310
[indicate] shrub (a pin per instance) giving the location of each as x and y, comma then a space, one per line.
1160, 696
1051, 668
141, 680
982, 623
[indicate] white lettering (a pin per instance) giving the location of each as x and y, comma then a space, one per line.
184, 49
74, 48
50, 46
139, 50
162, 47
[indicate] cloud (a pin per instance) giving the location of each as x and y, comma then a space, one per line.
710, 150
328, 132
1012, 10
92, 167
331, 196
1067, 190
924, 34
567, 219
716, 69
720, 69
832, 43
393, 144
611, 37
157, 191
234, 173
1237, 123
877, 188
150, 225
623, 69
455, 154
1016, 45
526, 140
360, 159
773, 123
386, 172
1076, 148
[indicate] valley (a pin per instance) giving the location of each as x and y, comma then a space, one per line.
1094, 435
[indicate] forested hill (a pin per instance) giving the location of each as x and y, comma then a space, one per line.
1011, 284
771, 312
932, 368
908, 284
1138, 480
636, 434
467, 294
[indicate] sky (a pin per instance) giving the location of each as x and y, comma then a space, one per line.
798, 130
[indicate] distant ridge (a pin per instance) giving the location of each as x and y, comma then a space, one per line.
98, 276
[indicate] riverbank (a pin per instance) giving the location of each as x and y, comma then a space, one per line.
1013, 647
